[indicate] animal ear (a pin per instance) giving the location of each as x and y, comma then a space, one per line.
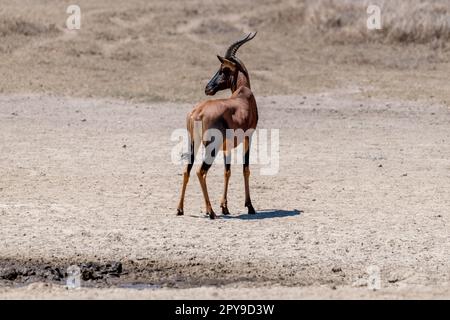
221, 59
227, 63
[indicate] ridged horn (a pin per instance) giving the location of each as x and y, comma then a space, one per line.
236, 45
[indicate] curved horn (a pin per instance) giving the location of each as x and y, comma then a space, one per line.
235, 46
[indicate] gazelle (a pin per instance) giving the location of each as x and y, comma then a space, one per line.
237, 112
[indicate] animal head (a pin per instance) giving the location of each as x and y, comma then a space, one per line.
230, 65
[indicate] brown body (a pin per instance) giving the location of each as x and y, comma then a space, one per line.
237, 112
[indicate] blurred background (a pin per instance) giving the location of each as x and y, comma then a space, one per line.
164, 50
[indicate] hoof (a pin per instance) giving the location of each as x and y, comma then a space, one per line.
225, 211
180, 212
212, 215
251, 210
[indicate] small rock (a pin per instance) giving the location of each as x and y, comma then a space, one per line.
336, 269
393, 280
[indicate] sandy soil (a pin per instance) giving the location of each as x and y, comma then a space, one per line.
239, 292
361, 183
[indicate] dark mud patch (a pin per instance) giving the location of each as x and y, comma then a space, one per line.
156, 273
16, 272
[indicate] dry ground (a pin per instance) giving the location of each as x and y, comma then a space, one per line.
85, 171
360, 184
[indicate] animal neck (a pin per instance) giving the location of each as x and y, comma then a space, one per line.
242, 79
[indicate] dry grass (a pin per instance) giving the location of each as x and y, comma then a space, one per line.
165, 50
19, 26
402, 21
415, 21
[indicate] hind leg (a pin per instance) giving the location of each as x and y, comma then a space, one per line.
186, 174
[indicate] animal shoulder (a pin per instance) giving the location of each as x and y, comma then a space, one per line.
243, 92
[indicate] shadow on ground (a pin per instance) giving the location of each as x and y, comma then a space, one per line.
266, 214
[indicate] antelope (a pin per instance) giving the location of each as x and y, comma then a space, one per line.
237, 112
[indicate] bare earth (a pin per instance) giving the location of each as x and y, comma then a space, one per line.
361, 183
